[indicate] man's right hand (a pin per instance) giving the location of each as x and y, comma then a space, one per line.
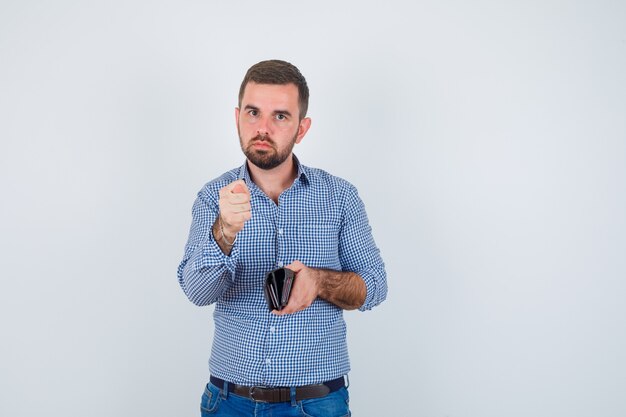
235, 209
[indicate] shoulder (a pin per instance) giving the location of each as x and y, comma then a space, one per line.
332, 185
320, 178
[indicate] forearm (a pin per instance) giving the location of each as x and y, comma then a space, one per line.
211, 255
344, 289
204, 286
358, 252
206, 271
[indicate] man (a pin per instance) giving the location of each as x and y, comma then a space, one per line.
270, 213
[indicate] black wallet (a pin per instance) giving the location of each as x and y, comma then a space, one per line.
278, 287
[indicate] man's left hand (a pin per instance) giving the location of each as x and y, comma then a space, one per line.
304, 290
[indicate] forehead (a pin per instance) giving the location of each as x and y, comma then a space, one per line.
270, 95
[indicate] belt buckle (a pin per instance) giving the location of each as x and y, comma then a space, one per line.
252, 390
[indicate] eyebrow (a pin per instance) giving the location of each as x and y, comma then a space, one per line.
251, 107
286, 112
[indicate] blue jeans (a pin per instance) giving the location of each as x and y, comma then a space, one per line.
216, 402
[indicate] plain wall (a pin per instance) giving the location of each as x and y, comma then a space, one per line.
487, 139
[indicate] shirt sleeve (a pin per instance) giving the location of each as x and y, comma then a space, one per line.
358, 252
205, 271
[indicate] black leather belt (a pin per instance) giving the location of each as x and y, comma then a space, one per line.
281, 394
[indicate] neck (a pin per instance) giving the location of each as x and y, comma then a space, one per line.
276, 180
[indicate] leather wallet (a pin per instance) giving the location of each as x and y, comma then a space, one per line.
277, 287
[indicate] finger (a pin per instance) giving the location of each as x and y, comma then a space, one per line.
236, 198
246, 215
296, 266
237, 220
229, 187
288, 309
240, 208
238, 187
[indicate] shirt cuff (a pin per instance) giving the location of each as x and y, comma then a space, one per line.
211, 255
376, 292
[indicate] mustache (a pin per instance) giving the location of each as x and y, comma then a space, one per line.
262, 138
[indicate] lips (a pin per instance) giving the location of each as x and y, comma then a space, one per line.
261, 145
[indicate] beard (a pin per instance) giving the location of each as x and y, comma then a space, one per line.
266, 158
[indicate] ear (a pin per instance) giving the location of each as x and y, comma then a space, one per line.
237, 116
304, 126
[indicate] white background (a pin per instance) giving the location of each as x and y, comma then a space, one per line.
487, 139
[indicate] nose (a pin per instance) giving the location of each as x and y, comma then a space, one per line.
263, 127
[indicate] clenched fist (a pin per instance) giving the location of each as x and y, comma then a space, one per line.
234, 211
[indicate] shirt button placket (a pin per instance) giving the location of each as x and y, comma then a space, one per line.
280, 241
272, 344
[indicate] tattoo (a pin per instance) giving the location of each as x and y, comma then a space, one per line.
344, 289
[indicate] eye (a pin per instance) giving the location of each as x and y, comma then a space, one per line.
253, 112
280, 116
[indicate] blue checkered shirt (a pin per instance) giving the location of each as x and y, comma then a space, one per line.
321, 221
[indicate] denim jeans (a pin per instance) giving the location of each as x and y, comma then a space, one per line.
216, 402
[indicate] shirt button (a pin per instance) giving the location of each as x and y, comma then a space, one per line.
268, 361
273, 329
280, 264
280, 231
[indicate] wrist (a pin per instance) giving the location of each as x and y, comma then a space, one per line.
225, 236
318, 279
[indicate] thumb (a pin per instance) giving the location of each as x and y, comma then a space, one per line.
295, 266
239, 188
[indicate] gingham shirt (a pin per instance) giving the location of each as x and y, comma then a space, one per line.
321, 221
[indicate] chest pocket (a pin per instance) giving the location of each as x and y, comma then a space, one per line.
318, 245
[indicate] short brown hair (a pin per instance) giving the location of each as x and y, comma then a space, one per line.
278, 72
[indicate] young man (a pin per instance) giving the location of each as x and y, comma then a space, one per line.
270, 213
